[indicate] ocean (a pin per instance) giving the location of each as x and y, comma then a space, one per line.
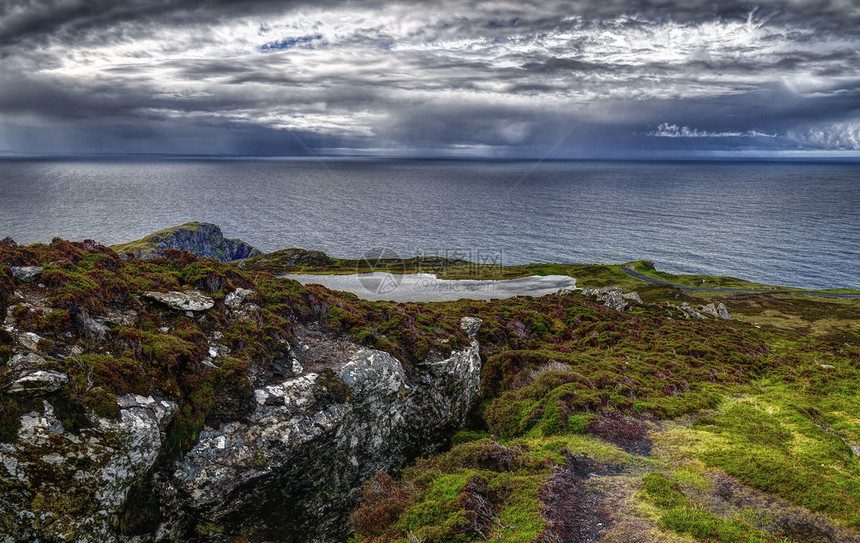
792, 224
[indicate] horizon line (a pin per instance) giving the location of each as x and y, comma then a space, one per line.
827, 157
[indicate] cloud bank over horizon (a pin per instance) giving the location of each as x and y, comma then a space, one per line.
526, 79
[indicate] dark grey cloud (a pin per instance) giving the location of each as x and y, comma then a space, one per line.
551, 78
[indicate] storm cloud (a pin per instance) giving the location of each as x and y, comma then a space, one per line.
550, 79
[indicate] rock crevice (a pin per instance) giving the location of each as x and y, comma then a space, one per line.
287, 470
292, 471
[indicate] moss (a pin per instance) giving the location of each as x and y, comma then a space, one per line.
775, 444
10, 419
465, 436
102, 402
663, 492
478, 490
184, 429
704, 526
330, 388
472, 505
682, 515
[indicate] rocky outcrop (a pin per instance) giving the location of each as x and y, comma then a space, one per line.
689, 312
190, 300
59, 484
292, 471
199, 238
613, 297
718, 311
26, 274
234, 299
38, 382
288, 471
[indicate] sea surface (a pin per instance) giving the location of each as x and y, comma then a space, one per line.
793, 224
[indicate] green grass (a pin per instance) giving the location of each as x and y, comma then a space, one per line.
478, 490
663, 492
790, 437
680, 514
705, 526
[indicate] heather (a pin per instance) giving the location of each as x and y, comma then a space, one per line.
593, 424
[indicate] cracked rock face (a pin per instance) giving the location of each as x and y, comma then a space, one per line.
65, 485
291, 472
199, 238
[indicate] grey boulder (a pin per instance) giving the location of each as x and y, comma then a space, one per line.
38, 382
189, 300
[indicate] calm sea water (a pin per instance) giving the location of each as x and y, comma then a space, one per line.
783, 223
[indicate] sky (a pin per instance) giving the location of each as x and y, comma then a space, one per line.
545, 79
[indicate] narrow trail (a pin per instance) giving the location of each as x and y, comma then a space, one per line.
706, 289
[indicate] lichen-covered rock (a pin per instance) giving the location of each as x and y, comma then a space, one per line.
234, 299
471, 325
291, 472
26, 274
632, 296
38, 382
280, 415
94, 331
718, 311
61, 484
25, 361
612, 297
189, 300
29, 340
688, 312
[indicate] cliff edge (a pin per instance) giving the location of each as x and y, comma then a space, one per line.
199, 238
181, 399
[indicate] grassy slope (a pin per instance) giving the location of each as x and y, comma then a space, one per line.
770, 419
767, 414
751, 432
148, 242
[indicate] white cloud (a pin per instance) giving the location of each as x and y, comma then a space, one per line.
352, 70
843, 136
667, 130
